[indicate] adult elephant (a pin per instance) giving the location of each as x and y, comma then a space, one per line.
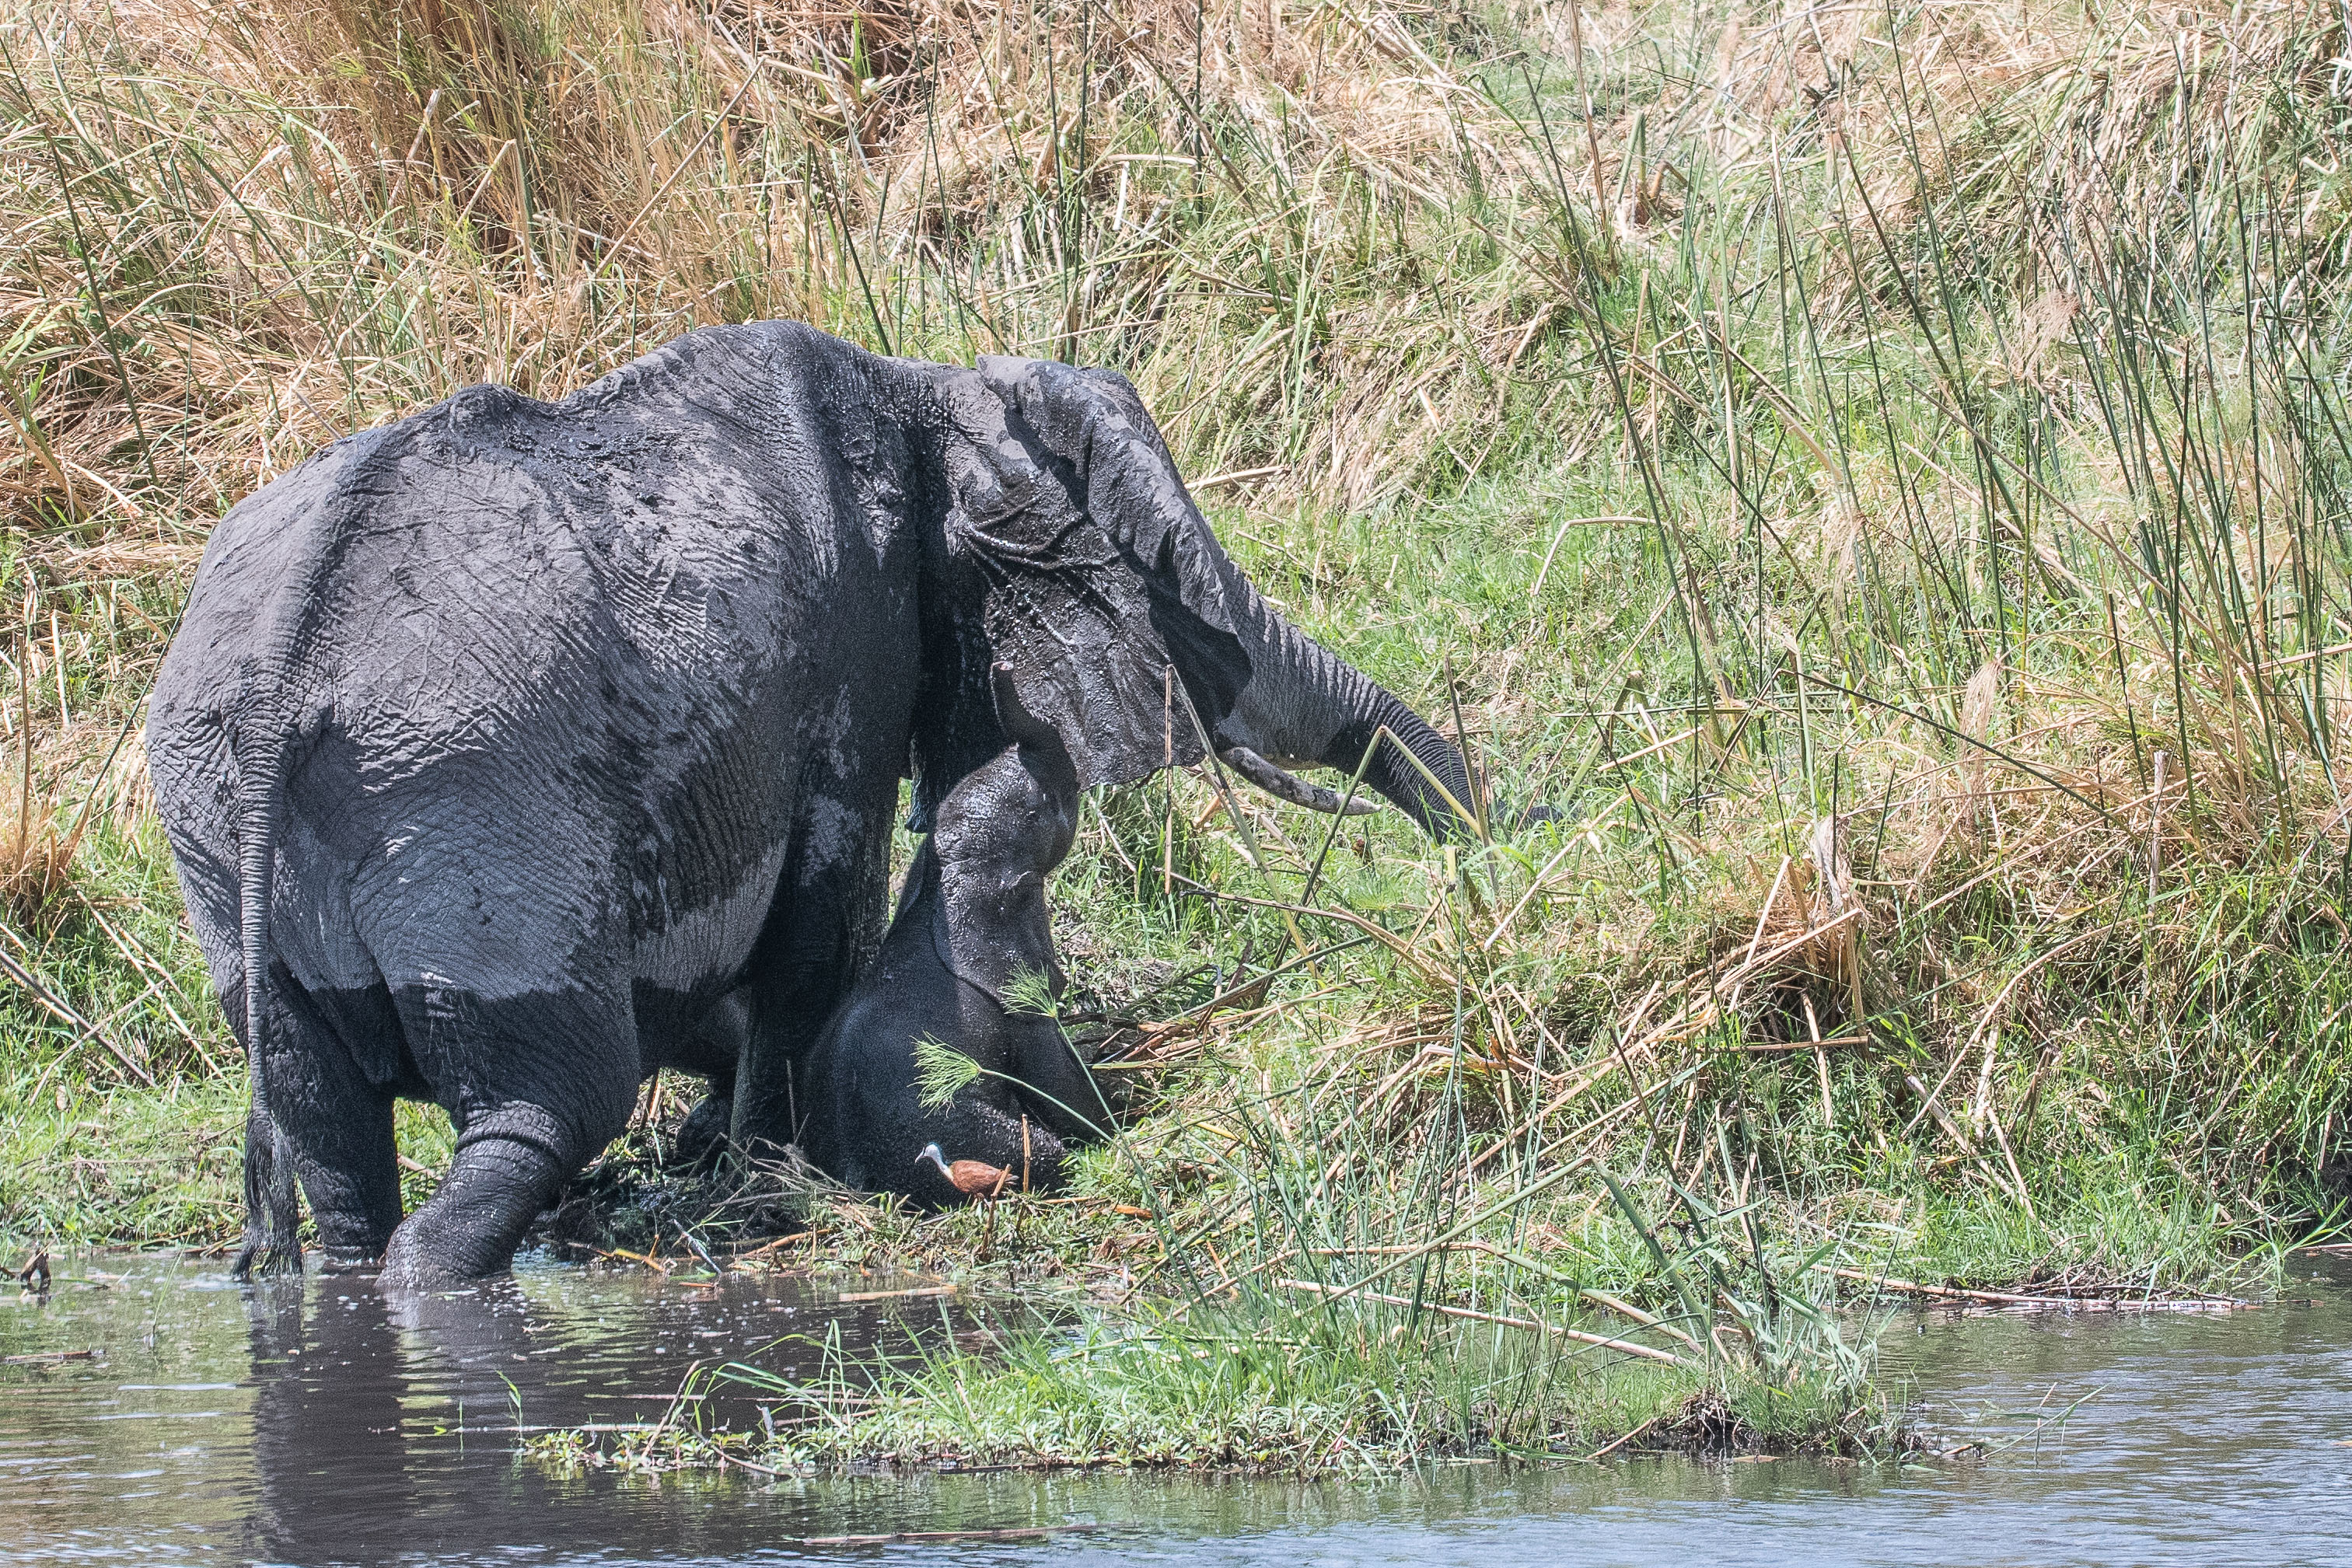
499, 743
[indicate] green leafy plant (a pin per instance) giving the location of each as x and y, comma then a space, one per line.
941, 1073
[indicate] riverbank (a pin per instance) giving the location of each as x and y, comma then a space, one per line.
1883, 492
2170, 1437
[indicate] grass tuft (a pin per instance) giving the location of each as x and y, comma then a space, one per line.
942, 1071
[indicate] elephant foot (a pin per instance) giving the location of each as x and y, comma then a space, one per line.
702, 1136
510, 1162
349, 1260
413, 1265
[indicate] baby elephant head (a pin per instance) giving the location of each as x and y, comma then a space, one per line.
998, 834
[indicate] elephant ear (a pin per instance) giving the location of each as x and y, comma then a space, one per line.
1087, 569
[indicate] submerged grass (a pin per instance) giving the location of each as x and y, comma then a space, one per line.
1882, 476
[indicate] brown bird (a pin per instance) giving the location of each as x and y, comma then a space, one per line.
974, 1178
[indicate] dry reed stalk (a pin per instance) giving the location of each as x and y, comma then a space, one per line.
1625, 1347
65, 1012
36, 857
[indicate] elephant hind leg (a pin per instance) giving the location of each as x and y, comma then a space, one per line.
511, 1160
323, 1118
1057, 1086
544, 1082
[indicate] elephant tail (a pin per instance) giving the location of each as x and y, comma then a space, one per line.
272, 1219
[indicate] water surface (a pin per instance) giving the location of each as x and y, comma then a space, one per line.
308, 1423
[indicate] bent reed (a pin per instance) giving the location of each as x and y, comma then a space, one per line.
1880, 477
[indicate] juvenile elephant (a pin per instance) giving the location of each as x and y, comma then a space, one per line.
499, 744
972, 922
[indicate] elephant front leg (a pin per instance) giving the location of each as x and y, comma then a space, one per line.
824, 927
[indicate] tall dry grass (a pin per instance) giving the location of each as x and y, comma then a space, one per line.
241, 230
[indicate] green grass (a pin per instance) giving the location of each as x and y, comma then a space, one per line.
1262, 1387
1936, 426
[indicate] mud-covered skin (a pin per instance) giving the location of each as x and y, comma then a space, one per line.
971, 920
502, 741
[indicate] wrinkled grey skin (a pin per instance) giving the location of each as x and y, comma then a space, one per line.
499, 744
971, 918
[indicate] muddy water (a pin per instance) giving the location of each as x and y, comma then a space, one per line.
309, 1424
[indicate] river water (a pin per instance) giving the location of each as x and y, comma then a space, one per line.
311, 1424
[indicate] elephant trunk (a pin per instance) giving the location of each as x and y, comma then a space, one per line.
1304, 707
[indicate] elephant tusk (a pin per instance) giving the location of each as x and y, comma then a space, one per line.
1289, 786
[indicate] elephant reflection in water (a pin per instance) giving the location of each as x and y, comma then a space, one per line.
327, 1449
384, 1423
355, 1395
